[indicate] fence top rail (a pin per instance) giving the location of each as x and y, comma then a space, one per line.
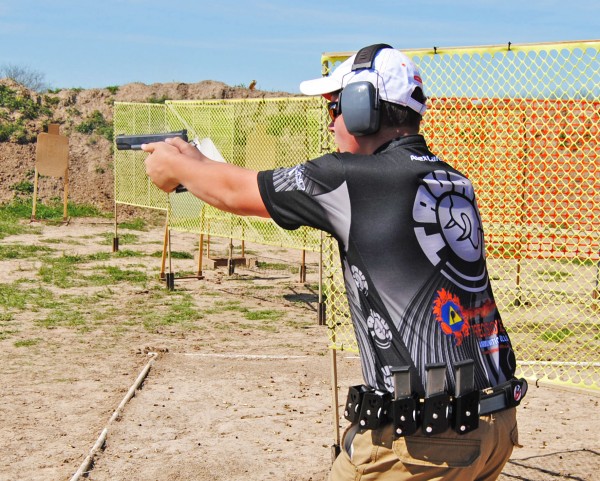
294, 99
333, 57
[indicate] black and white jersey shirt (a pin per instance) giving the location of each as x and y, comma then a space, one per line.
412, 251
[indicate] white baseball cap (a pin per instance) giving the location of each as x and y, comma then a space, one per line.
392, 72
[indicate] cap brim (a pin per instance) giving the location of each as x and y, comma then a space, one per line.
320, 86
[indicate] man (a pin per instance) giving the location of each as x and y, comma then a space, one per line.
411, 245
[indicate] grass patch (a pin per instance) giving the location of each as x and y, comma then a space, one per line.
532, 327
265, 314
298, 324
113, 275
5, 334
259, 288
557, 336
183, 310
9, 221
174, 255
21, 251
556, 276
277, 266
9, 228
74, 210
12, 297
21, 208
15, 296
27, 342
128, 253
258, 315
176, 309
268, 315
67, 316
267, 327
5, 329
134, 224
61, 241
60, 271
123, 239
578, 261
96, 256
75, 311
222, 306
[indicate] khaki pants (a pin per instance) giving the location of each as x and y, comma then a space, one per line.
476, 456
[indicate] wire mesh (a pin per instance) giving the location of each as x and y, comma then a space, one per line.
132, 186
257, 134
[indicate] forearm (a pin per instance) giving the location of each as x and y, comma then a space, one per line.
224, 186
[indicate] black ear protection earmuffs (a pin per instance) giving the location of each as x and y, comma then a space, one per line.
359, 101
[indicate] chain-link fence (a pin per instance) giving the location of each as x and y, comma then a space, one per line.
132, 186
257, 134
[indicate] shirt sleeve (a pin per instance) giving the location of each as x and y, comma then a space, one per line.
297, 196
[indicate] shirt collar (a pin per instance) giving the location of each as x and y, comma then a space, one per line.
404, 140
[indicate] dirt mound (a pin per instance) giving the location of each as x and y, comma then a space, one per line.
90, 153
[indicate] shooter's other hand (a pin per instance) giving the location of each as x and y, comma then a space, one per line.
184, 147
160, 162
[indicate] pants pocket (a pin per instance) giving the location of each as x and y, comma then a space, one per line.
437, 451
514, 436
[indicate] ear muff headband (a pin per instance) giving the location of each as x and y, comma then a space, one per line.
366, 56
360, 100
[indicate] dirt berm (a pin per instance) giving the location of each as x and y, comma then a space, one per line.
90, 154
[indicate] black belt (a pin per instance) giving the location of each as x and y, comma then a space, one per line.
372, 409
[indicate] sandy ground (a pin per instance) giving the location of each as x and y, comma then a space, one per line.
226, 398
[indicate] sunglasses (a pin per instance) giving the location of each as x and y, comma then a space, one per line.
334, 109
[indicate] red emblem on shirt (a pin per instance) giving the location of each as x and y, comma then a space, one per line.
449, 314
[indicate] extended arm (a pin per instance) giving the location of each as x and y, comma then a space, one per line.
225, 186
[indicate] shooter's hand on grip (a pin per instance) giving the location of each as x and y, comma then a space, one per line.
137, 142
160, 164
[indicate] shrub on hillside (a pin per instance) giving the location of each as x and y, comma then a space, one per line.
96, 123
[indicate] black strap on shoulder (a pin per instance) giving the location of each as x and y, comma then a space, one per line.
365, 56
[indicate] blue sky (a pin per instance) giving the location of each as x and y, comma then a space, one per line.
279, 43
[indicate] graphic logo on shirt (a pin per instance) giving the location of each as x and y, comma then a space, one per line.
450, 316
360, 280
380, 330
445, 207
388, 379
289, 179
